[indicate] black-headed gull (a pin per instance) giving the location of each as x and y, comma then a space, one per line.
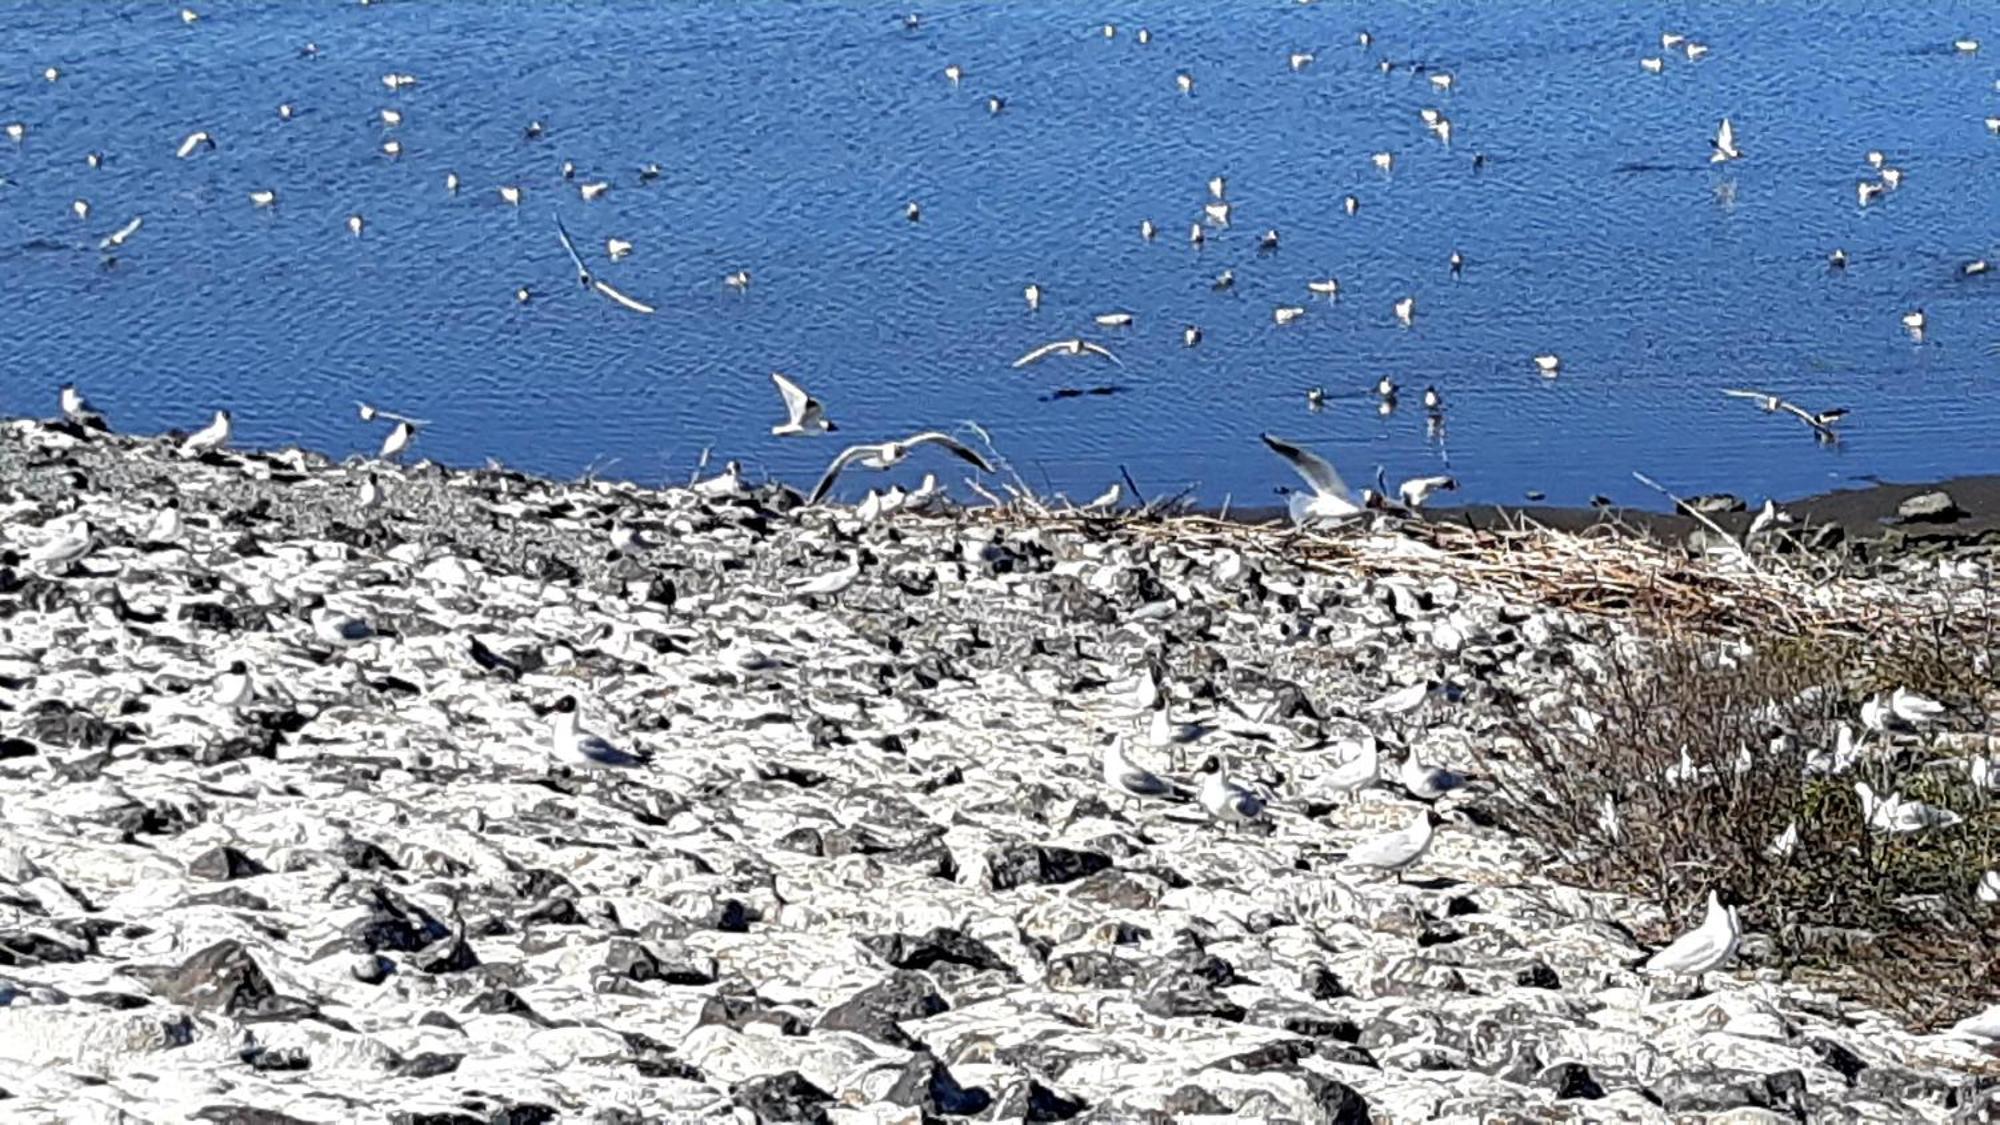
882, 455
1330, 500
803, 412
211, 437
575, 746
1706, 947
1067, 347
1223, 799
1724, 144
1396, 851
77, 408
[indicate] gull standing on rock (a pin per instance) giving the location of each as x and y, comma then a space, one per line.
1225, 800
583, 749
1398, 850
1330, 500
1706, 947
71, 544
77, 409
1131, 781
803, 412
336, 629
828, 584
233, 689
1356, 772
211, 437
882, 455
1429, 783
398, 440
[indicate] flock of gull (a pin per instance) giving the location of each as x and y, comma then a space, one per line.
1329, 496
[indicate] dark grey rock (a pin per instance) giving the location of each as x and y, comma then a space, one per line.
927, 1084
1570, 1080
786, 1097
1020, 865
1339, 1103
223, 978
876, 1011
224, 863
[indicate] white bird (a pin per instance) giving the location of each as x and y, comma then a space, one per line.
1993, 125
882, 455
728, 482
1285, 314
338, 629
1914, 709
1874, 158
398, 440
1223, 799
213, 436
510, 194
1989, 886
392, 148
1724, 144
451, 182
1706, 947
1417, 491
1131, 781
285, 111
166, 524
77, 409
828, 584
189, 15
1185, 81
1356, 771
1406, 311
391, 118
1894, 814
1147, 230
803, 412
1196, 236
1892, 178
1067, 347
1768, 517
1965, 46
1190, 336
577, 747
1325, 287
1983, 1026
1443, 81
1299, 60
1974, 268
81, 208
1114, 319
739, 281
1032, 293
616, 248
1652, 65
233, 689
1217, 186
1217, 213
199, 139
1399, 850
1549, 365
1669, 40
1915, 321
1784, 843
1866, 190
1694, 50
71, 544
1386, 161
1428, 783
954, 72
1330, 500
356, 224
264, 197
1350, 204
371, 494
16, 131
398, 81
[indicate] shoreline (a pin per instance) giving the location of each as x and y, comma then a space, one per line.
871, 871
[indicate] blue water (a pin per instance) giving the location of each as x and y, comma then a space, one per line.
792, 135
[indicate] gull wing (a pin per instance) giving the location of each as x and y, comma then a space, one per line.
1098, 349
605, 288
965, 452
832, 473
798, 404
582, 271
1725, 138
118, 237
1315, 469
1044, 352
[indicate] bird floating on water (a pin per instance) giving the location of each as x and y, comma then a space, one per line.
617, 249
510, 195
1033, 294
1185, 81
1285, 314
1325, 287
1406, 311
739, 281
199, 139
1549, 365
264, 197
1190, 336
1652, 65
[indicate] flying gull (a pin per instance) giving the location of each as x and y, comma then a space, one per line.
803, 412
1067, 347
885, 454
1821, 421
1330, 499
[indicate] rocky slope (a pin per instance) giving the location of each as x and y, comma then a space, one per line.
871, 873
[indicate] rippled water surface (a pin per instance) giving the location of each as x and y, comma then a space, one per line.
791, 136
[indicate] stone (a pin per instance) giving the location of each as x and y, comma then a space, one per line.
1935, 506
786, 1097
222, 978
876, 1011
1020, 865
1568, 1080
